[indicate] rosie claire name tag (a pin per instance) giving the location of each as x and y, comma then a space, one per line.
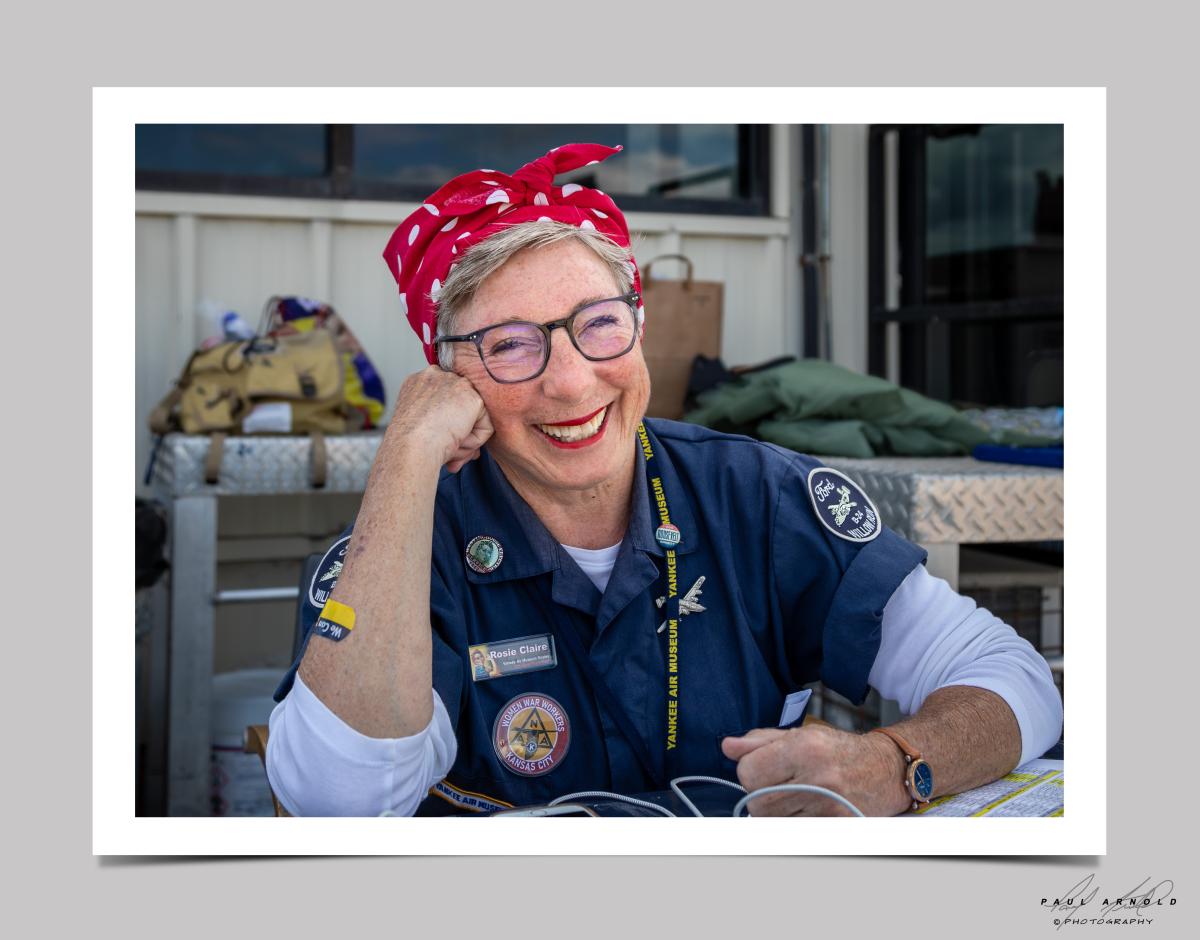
511, 657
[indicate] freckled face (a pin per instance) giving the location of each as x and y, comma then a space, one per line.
543, 284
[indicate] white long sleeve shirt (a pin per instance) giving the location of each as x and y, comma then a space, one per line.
931, 637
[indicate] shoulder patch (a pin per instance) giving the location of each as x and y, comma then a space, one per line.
326, 576
841, 505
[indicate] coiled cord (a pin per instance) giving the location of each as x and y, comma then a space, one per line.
619, 797
797, 788
675, 787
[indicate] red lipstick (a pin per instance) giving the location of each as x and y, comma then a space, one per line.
587, 441
574, 421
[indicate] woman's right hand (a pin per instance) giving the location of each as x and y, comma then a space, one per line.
440, 413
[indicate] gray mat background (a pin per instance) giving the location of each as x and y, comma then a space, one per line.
53, 58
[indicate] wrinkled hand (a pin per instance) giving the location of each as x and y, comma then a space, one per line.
858, 766
441, 413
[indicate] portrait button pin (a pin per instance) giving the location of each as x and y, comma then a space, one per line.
484, 554
667, 535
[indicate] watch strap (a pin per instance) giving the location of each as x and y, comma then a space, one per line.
911, 753
911, 758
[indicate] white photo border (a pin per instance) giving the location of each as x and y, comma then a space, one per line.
116, 111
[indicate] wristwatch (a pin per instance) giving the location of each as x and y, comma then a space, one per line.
918, 775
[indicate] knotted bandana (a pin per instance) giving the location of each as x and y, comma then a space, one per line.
424, 248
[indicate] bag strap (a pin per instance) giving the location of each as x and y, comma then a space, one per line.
320, 459
216, 449
212, 462
160, 417
687, 281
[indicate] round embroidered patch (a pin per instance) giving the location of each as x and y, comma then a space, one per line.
531, 734
484, 554
841, 505
326, 576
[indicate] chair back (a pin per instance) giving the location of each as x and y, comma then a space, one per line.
255, 742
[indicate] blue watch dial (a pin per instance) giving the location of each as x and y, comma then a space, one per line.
922, 778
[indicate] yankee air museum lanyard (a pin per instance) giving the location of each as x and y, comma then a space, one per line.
668, 536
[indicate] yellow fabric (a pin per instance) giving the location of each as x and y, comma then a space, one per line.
355, 396
303, 324
341, 614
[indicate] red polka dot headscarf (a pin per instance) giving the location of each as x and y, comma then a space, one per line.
469, 208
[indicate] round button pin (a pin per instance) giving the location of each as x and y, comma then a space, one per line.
484, 554
667, 535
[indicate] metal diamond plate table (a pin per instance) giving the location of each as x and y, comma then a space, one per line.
249, 466
263, 465
956, 500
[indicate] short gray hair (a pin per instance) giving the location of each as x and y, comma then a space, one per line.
483, 259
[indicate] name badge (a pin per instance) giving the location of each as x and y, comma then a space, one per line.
493, 660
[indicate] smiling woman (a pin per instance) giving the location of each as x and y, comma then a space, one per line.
519, 500
552, 434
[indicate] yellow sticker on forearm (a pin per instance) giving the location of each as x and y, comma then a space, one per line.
336, 621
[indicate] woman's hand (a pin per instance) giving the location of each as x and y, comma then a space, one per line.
864, 768
440, 413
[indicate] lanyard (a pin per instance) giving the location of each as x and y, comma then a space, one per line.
668, 536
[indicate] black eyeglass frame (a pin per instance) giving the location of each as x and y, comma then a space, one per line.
631, 299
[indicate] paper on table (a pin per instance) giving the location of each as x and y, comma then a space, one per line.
1033, 789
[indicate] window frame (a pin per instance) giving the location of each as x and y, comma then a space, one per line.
924, 326
338, 182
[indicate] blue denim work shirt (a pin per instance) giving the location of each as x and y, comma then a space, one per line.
786, 602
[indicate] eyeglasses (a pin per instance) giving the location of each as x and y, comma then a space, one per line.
518, 350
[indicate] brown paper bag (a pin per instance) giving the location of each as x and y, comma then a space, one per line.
683, 320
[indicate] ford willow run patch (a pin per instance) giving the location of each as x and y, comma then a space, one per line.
842, 506
531, 734
327, 573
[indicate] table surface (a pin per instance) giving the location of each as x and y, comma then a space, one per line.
960, 499
263, 465
928, 500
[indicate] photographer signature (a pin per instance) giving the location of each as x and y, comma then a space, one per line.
1141, 899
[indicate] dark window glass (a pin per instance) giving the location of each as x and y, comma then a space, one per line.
696, 161
994, 213
288, 150
979, 223
717, 168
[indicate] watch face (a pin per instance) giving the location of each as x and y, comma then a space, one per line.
922, 779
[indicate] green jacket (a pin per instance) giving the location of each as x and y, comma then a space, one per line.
817, 407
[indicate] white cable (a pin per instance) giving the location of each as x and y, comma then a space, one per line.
612, 796
737, 810
688, 803
796, 788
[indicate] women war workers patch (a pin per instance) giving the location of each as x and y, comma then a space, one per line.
531, 734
